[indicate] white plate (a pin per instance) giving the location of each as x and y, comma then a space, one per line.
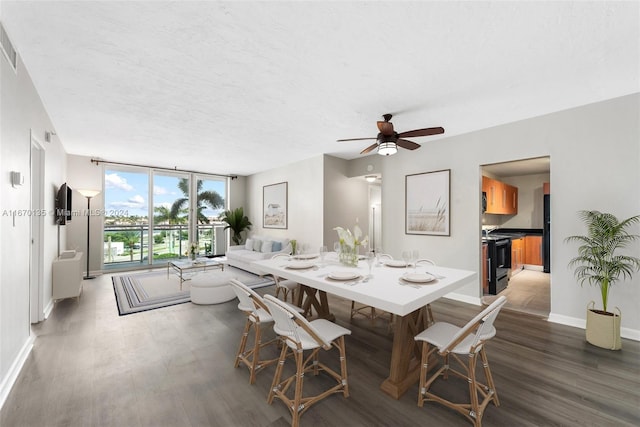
395, 263
343, 275
305, 256
418, 277
300, 265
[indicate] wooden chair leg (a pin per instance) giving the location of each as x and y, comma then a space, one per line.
343, 367
489, 377
473, 392
255, 353
278, 373
297, 400
424, 370
243, 342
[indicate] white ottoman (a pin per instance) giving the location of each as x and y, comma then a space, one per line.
211, 288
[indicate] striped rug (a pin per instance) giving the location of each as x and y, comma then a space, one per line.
138, 292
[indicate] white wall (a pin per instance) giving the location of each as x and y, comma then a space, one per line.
594, 153
305, 205
84, 175
346, 200
21, 113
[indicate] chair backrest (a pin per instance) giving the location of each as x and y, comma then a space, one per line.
289, 323
482, 324
425, 261
249, 299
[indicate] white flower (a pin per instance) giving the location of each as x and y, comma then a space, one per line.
351, 240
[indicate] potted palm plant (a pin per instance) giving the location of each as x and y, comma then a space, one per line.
599, 263
237, 222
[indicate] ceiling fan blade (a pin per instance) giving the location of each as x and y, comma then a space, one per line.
386, 128
421, 132
409, 145
355, 139
369, 148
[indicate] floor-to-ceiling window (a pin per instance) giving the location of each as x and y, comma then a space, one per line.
152, 215
126, 221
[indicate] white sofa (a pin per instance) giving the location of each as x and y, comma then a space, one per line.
243, 255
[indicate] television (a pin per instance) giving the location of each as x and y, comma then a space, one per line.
63, 204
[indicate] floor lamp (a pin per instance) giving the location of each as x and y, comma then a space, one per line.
88, 194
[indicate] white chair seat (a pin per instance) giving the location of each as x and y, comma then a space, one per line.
289, 284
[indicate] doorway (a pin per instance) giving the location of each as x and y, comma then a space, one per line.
36, 256
515, 206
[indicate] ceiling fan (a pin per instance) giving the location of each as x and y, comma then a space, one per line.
388, 140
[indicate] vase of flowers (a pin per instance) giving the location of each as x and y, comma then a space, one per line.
192, 251
349, 245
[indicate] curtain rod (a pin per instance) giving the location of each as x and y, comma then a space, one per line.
174, 169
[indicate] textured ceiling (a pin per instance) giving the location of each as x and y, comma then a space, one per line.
240, 87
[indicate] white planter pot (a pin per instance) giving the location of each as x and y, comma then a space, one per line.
603, 328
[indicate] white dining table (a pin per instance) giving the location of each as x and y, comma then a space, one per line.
384, 290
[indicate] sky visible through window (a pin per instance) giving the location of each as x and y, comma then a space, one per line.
127, 192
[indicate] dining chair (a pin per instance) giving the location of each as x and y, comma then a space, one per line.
463, 345
285, 286
257, 314
368, 311
299, 335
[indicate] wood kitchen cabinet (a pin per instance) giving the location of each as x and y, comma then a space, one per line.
501, 198
517, 255
533, 250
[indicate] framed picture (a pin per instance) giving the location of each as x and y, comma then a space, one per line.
427, 203
274, 205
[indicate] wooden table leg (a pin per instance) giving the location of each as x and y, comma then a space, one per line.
307, 298
405, 354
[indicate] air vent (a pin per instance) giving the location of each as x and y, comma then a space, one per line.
7, 47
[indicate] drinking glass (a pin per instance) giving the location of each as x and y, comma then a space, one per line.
371, 257
406, 257
323, 251
336, 247
415, 256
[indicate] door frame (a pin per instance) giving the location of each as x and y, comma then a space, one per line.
36, 230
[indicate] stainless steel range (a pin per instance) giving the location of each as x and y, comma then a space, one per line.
498, 261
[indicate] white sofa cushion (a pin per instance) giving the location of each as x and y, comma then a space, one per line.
257, 245
266, 246
248, 245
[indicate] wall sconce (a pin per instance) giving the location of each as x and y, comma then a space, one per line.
16, 179
370, 178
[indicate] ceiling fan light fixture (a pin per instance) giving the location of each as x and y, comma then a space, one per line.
387, 148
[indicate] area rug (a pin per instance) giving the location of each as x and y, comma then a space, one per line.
139, 292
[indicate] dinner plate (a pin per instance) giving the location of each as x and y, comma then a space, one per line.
395, 263
418, 277
300, 265
305, 256
343, 275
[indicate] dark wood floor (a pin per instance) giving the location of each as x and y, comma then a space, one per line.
174, 367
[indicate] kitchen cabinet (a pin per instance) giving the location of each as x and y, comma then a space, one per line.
501, 198
533, 250
517, 255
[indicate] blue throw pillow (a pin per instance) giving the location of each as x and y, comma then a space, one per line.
276, 247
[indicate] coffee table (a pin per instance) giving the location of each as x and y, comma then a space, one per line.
179, 267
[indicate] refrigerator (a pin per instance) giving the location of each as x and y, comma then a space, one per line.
546, 235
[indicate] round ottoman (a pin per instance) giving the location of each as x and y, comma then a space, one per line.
211, 288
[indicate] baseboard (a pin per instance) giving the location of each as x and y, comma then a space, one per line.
48, 309
628, 333
12, 375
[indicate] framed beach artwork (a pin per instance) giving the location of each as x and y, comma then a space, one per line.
427, 204
274, 205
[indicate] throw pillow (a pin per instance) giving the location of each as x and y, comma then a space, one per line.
266, 246
257, 244
248, 245
276, 247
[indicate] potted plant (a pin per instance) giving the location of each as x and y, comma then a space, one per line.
599, 263
237, 222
